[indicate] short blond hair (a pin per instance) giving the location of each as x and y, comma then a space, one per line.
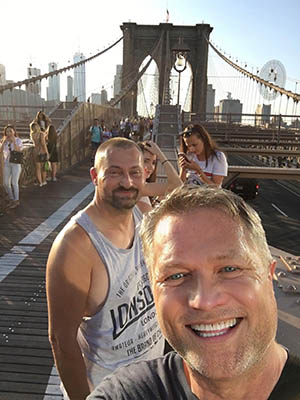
190, 198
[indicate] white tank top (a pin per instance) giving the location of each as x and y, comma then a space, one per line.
125, 328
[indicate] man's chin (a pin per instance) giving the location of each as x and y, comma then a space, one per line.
124, 204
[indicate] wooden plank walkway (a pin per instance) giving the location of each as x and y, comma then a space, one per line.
26, 235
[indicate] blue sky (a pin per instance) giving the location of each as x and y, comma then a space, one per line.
51, 31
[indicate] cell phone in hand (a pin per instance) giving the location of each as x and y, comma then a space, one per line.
184, 156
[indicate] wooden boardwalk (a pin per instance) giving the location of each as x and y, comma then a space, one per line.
26, 235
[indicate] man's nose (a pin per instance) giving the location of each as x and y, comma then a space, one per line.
126, 180
206, 294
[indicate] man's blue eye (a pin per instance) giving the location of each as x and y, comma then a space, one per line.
230, 269
175, 277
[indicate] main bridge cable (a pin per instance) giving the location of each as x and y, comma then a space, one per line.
131, 84
26, 82
288, 93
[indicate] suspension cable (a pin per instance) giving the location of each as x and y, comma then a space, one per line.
288, 93
26, 82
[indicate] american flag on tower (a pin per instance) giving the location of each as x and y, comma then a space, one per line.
168, 15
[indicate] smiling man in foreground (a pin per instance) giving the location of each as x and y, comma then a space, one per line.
211, 272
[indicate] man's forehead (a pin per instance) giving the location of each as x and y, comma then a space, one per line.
204, 223
113, 155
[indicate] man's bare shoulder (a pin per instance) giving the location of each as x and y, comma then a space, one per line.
73, 246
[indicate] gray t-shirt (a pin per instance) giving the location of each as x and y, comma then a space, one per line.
164, 379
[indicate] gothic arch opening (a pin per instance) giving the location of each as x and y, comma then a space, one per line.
148, 89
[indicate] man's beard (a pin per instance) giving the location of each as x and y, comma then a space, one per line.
123, 203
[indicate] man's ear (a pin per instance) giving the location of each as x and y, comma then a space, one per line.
93, 174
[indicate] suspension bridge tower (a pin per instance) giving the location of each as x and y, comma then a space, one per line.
158, 41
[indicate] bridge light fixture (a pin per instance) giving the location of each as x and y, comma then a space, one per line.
180, 53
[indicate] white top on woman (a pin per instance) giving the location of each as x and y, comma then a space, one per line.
216, 165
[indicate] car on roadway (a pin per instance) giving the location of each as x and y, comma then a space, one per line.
247, 188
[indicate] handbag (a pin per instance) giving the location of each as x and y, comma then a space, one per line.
16, 157
47, 166
43, 157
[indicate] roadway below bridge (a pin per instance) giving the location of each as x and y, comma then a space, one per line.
278, 205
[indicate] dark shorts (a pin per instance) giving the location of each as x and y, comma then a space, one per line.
95, 145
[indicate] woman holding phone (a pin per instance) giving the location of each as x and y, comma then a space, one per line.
200, 161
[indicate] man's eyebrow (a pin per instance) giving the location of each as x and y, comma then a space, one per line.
232, 253
119, 167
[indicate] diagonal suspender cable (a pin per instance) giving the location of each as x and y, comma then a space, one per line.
10, 86
288, 93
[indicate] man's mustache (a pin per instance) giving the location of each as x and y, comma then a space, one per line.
122, 189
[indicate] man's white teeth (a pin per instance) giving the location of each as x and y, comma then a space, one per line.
217, 329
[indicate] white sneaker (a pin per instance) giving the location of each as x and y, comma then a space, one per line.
41, 184
54, 179
45, 183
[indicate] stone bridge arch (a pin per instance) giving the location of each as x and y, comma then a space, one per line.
139, 42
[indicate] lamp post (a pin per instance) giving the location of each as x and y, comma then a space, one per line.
180, 53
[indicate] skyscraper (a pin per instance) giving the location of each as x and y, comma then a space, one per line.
69, 96
2, 75
79, 78
210, 101
103, 96
231, 106
34, 87
53, 90
118, 80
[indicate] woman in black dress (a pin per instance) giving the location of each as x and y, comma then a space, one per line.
52, 149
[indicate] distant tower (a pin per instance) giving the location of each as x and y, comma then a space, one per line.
96, 98
262, 114
117, 80
210, 101
79, 78
53, 90
69, 96
2, 75
34, 87
231, 106
103, 96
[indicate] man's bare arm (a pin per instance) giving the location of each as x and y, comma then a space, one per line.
68, 279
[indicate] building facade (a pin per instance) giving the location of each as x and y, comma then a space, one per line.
53, 90
230, 106
2, 75
34, 87
103, 96
210, 102
79, 78
70, 95
262, 114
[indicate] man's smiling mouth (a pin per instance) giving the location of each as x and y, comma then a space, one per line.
216, 329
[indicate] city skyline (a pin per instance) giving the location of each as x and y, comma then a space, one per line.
247, 32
